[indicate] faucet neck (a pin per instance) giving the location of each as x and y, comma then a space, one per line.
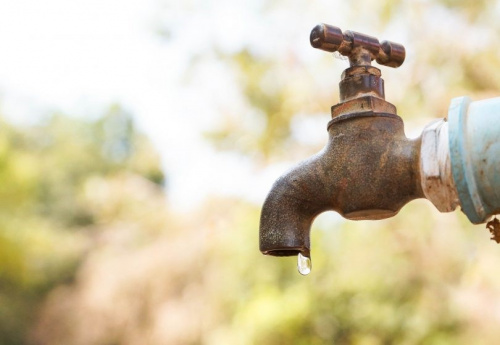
361, 95
359, 81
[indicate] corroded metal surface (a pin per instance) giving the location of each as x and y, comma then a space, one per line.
435, 167
363, 84
362, 104
362, 90
494, 227
368, 169
360, 48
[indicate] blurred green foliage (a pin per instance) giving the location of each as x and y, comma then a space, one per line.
45, 219
386, 282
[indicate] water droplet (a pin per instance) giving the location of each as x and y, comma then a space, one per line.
304, 264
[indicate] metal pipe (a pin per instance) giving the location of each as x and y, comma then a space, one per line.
474, 130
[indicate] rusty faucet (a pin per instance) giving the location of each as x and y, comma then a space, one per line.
369, 169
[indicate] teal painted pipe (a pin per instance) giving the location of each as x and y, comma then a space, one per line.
474, 142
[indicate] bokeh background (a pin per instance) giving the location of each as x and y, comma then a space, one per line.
138, 139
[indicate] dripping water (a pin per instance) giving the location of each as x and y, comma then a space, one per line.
304, 264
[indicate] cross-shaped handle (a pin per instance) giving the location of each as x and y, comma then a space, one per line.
361, 49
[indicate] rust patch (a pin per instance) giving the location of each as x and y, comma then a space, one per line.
494, 227
360, 48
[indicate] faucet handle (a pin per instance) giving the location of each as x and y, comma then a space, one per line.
361, 49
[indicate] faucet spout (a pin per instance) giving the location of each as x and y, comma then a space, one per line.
296, 198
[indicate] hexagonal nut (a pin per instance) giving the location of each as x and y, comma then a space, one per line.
363, 104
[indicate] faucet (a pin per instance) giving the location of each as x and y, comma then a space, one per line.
369, 169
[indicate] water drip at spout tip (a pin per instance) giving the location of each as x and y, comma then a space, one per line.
304, 264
